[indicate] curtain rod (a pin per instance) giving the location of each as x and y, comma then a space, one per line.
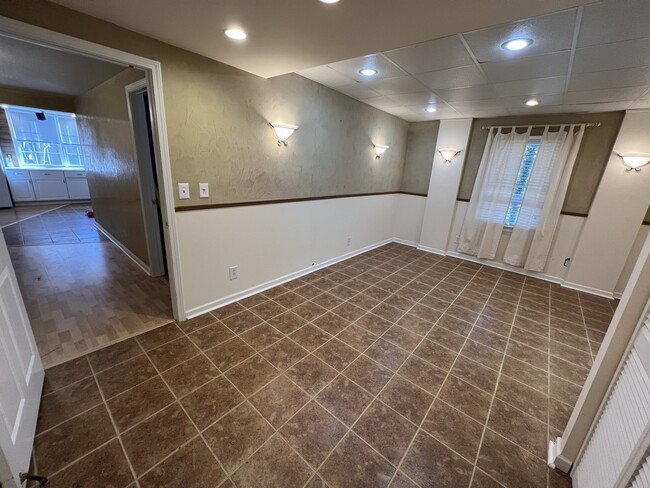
590, 124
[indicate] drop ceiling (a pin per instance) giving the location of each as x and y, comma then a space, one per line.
33, 67
585, 59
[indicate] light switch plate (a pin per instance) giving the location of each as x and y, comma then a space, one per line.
204, 190
183, 191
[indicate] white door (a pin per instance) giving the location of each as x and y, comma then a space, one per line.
21, 377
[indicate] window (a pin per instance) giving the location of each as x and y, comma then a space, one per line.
522, 181
52, 142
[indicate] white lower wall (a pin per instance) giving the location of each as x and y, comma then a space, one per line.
408, 216
632, 259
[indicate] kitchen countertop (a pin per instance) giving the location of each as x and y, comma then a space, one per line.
22, 168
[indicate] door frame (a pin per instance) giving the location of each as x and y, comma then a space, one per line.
38, 35
156, 265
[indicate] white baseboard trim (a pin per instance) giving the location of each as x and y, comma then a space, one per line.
590, 290
399, 240
283, 279
124, 249
433, 250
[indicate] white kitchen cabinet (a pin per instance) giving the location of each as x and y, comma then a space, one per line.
50, 189
78, 188
29, 185
22, 190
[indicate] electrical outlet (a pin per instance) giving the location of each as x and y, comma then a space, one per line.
349, 241
183, 191
204, 190
233, 272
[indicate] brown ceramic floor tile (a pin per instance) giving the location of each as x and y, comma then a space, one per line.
528, 355
435, 354
357, 337
290, 299
106, 466
368, 374
578, 341
385, 430
344, 399
387, 354
211, 335
207, 318
138, 403
402, 337
279, 400
331, 323
287, 322
387, 312
261, 337
415, 324
533, 402
66, 374
114, 354
172, 353
309, 310
431, 464
242, 321
158, 436
159, 336
237, 436
423, 374
336, 354
475, 374
211, 401
313, 432
522, 429
482, 480
526, 374
252, 374
446, 338
229, 354
349, 312
268, 309
310, 337
489, 339
311, 374
466, 398
193, 465
494, 325
453, 428
453, 324
128, 374
402, 481
190, 375
530, 339
573, 356
568, 371
426, 313
280, 465
228, 310
374, 324
407, 399
70, 440
353, 464
67, 402
327, 301
559, 413
364, 301
284, 354
564, 391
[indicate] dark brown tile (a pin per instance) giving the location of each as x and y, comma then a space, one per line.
528, 355
453, 428
261, 337
353, 464
344, 399
578, 341
564, 391
482, 480
570, 372
252, 374
573, 356
402, 481
530, 339
526, 374
357, 337
287, 322
242, 321
509, 463
518, 427
349, 312
311, 374
308, 291
475, 374
316, 482
407, 399
192, 465
107, 466
281, 467
172, 353
309, 310
114, 354
66, 374
67, 402
159, 336
364, 301
415, 324
402, 337
373, 323
250, 301
229, 354
533, 402
431, 464
284, 354
559, 413
489, 339
446, 338
423, 374
211, 401
70, 440
138, 403
128, 374
426, 313
211, 335
190, 375
463, 313
368, 374
531, 325
435, 354
228, 310
279, 400
268, 309
453, 324
336, 354
494, 325
327, 301
466, 398
276, 291
388, 312
310, 337
204, 319
237, 436
387, 354
331, 323
313, 432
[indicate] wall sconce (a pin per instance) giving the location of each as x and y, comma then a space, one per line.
283, 132
379, 149
634, 161
448, 155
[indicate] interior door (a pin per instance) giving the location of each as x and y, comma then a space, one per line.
21, 377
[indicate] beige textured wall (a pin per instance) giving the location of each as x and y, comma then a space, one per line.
105, 132
594, 153
420, 150
217, 122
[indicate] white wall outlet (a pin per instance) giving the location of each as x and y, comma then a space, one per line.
348, 241
204, 190
183, 191
233, 272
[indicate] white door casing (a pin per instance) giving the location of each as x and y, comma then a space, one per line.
21, 377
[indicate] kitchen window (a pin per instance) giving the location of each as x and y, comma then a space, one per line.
521, 182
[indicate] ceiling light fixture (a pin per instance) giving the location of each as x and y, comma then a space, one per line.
283, 132
517, 44
448, 155
431, 109
532, 102
4, 106
236, 33
635, 161
368, 71
379, 149
330, 1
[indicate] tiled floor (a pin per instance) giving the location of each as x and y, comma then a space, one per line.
394, 368
81, 292
12, 215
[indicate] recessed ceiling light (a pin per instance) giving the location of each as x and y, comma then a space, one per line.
431, 109
368, 71
74, 116
330, 1
517, 44
532, 102
236, 33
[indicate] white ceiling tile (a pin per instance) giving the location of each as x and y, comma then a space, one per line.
484, 113
617, 78
613, 21
550, 33
424, 98
480, 105
646, 96
517, 102
358, 91
539, 109
480, 92
382, 102
326, 76
395, 86
606, 95
440, 107
543, 66
537, 86
399, 111
448, 52
597, 107
618, 55
452, 78
351, 67
641, 104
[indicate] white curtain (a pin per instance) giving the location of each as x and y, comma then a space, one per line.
533, 232
493, 189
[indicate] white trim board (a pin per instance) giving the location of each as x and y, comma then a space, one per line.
124, 249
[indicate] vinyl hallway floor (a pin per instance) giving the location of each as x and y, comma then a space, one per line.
394, 368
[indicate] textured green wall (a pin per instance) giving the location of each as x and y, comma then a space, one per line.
420, 150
